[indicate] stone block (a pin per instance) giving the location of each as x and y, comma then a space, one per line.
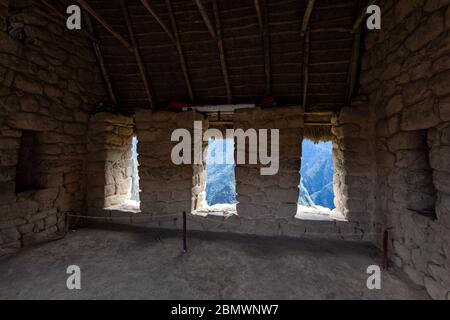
32, 121
408, 141
435, 289
419, 116
414, 92
439, 158
443, 209
414, 159
439, 83
444, 108
426, 32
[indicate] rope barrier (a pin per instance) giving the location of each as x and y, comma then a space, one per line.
137, 216
198, 218
306, 233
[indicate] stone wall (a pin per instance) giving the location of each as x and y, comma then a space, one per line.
109, 160
267, 204
270, 196
406, 74
166, 188
354, 167
48, 84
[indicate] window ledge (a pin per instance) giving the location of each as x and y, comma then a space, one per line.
129, 206
318, 213
218, 210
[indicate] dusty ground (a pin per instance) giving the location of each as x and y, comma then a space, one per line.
139, 263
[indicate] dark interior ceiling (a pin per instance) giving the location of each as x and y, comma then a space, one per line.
254, 65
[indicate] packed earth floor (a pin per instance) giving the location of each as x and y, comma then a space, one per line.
140, 263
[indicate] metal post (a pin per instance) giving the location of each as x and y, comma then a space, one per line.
385, 249
66, 223
184, 232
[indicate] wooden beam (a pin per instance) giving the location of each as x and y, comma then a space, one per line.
305, 67
102, 21
305, 32
205, 18
261, 12
307, 16
361, 17
223, 61
101, 62
137, 54
353, 70
183, 63
158, 19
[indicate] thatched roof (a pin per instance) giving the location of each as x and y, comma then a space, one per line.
238, 51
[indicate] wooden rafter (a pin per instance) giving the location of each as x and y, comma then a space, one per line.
305, 67
223, 61
183, 63
101, 63
361, 17
137, 53
355, 59
261, 12
305, 32
353, 70
307, 16
158, 19
103, 22
205, 18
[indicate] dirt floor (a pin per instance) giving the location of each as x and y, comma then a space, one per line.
119, 262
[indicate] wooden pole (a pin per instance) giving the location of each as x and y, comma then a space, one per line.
353, 70
261, 11
183, 63
307, 16
205, 18
305, 32
223, 61
305, 67
158, 19
101, 63
102, 21
185, 249
137, 54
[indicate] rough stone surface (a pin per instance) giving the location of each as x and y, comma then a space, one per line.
229, 266
412, 157
35, 95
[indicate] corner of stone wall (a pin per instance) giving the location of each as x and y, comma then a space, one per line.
109, 160
406, 72
271, 196
354, 166
166, 188
48, 86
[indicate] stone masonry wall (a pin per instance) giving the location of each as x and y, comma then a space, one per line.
270, 196
109, 160
166, 188
354, 168
48, 84
267, 204
406, 74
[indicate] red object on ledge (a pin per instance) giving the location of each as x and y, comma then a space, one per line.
268, 101
178, 106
